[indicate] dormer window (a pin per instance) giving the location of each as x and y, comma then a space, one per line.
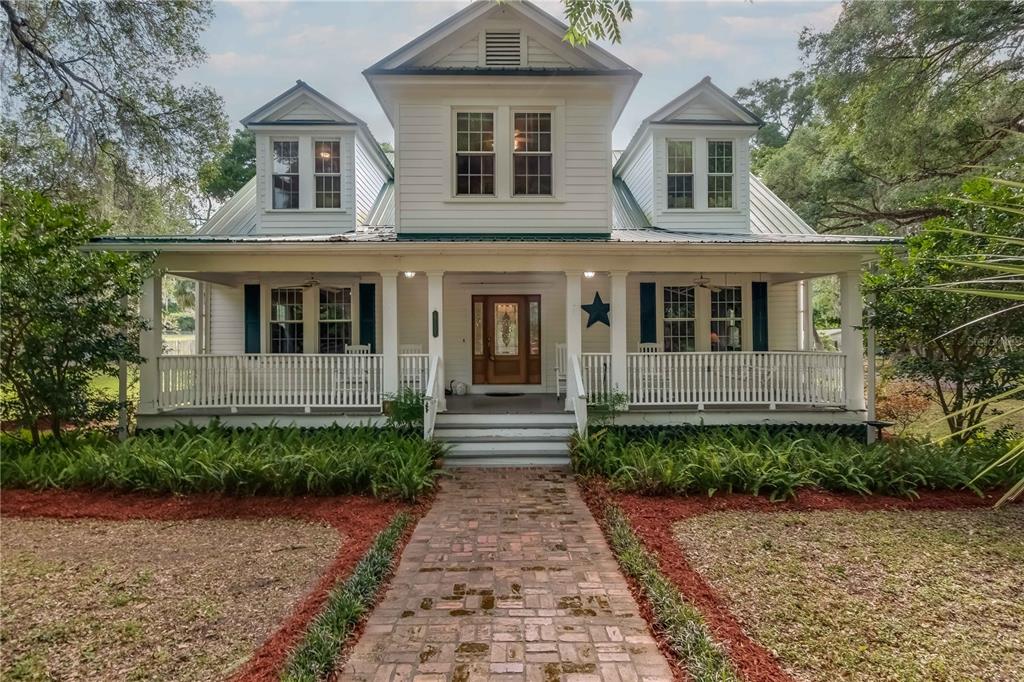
474, 153
327, 173
720, 167
286, 174
680, 174
531, 154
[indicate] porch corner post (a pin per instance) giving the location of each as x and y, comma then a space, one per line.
573, 333
851, 313
389, 328
435, 322
620, 372
150, 343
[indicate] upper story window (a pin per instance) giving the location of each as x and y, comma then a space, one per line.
726, 318
286, 174
327, 173
531, 154
286, 320
474, 153
679, 314
720, 169
680, 174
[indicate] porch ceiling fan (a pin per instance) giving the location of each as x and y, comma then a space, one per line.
705, 283
311, 282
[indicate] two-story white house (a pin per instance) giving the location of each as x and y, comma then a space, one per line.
505, 259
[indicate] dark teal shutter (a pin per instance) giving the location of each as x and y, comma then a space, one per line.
368, 315
648, 312
252, 318
759, 308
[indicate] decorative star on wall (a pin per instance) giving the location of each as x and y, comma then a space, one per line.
597, 311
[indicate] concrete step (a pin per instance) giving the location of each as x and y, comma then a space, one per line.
515, 447
459, 433
505, 420
507, 462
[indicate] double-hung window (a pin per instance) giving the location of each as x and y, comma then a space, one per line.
531, 154
720, 169
286, 174
726, 318
679, 314
680, 174
327, 173
474, 153
335, 319
286, 320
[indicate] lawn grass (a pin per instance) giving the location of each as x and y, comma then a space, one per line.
271, 460
160, 600
777, 464
918, 595
930, 426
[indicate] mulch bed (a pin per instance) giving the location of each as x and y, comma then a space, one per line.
358, 519
653, 517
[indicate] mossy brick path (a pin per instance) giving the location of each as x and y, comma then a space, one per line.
507, 577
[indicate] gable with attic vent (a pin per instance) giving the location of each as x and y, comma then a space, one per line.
506, 47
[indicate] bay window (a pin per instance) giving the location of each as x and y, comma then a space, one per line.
720, 170
327, 173
531, 154
286, 320
680, 173
286, 174
726, 318
474, 153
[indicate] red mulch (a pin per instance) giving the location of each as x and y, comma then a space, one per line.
653, 517
358, 519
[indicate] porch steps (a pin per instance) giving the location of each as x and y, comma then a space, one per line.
505, 440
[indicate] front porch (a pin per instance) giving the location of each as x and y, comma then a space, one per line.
717, 346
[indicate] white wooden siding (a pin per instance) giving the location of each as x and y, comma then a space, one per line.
702, 108
425, 202
368, 180
465, 56
412, 310
227, 320
538, 56
305, 110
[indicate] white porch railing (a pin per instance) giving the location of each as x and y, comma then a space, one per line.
278, 380
577, 392
742, 378
412, 371
434, 396
596, 370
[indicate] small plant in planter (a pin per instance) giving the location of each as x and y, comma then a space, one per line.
404, 409
606, 406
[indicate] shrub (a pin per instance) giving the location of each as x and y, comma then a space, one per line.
757, 461
901, 402
405, 408
257, 461
314, 658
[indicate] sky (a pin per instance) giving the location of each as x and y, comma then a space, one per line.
256, 50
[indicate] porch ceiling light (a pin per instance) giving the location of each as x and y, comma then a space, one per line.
589, 274
409, 275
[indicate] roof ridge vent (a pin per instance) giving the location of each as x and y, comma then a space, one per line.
502, 48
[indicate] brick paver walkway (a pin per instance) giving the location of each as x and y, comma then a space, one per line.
507, 577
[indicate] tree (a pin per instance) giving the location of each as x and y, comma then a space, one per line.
784, 104
596, 20
232, 167
63, 321
95, 104
913, 97
966, 348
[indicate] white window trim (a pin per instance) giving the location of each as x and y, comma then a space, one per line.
708, 174
271, 174
454, 154
555, 137
695, 319
310, 307
351, 319
742, 318
692, 174
340, 174
703, 307
307, 183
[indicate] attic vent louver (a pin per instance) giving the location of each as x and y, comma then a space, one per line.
502, 48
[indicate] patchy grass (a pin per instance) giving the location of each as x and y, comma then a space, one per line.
925, 427
129, 600
346, 605
678, 622
920, 595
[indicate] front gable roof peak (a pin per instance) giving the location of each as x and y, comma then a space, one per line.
726, 106
302, 104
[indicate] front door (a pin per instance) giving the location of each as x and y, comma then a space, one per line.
506, 339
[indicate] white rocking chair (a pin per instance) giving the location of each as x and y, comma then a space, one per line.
561, 368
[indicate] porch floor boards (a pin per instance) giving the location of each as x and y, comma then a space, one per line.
528, 403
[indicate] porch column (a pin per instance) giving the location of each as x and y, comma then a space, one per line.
150, 343
851, 314
389, 324
573, 334
435, 322
618, 335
